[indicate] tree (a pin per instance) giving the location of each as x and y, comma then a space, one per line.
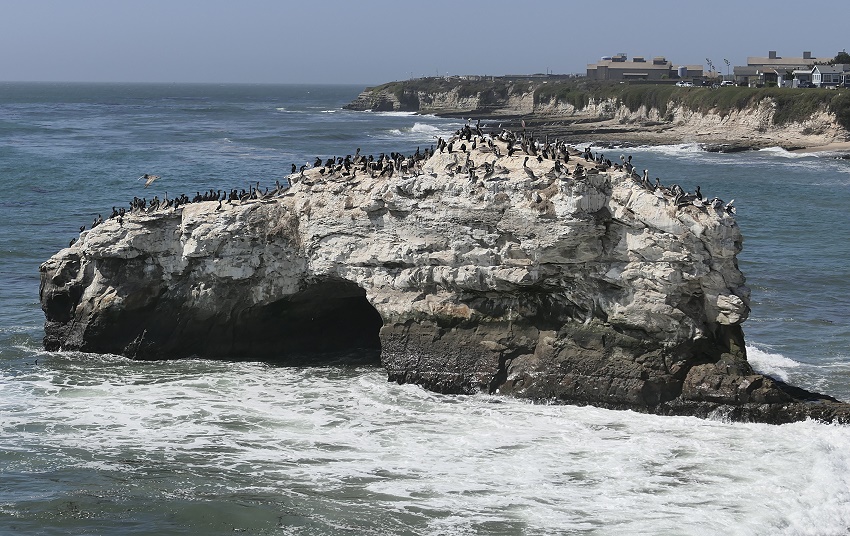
841, 57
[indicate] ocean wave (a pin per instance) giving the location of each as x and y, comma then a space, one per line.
809, 153
784, 153
770, 364
672, 150
394, 114
418, 131
425, 128
228, 431
680, 149
294, 112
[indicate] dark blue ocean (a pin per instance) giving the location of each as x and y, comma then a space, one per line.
102, 445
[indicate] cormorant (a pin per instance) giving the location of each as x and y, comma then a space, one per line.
527, 169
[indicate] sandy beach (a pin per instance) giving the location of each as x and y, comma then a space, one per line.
838, 147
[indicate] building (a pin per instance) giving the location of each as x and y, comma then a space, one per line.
773, 69
801, 76
619, 67
827, 75
778, 62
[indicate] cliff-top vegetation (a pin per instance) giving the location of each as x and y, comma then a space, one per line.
791, 104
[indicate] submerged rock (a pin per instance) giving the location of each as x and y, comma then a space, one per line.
526, 281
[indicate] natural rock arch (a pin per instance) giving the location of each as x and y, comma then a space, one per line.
584, 288
328, 320
328, 317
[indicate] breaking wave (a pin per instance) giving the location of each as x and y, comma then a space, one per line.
770, 364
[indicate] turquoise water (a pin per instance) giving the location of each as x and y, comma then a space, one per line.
102, 445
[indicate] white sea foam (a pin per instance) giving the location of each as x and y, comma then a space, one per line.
419, 131
770, 364
333, 434
424, 128
673, 150
783, 153
678, 150
395, 114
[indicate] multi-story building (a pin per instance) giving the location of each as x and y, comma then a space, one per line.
828, 75
619, 67
774, 69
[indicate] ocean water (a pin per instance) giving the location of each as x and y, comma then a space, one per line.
94, 444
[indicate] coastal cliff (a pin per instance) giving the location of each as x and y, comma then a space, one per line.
728, 118
465, 271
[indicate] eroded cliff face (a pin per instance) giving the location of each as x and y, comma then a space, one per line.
451, 101
751, 126
588, 290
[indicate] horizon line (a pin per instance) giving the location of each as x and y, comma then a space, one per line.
175, 82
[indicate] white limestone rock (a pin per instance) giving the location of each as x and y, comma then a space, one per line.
455, 279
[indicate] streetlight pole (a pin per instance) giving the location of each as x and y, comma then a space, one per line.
727, 67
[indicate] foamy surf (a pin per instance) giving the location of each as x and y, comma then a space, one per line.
425, 128
770, 364
418, 133
324, 441
783, 153
394, 114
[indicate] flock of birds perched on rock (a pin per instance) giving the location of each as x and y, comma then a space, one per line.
385, 165
504, 143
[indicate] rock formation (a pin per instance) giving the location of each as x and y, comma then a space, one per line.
552, 285
606, 118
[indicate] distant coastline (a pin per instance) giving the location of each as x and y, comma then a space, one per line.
725, 119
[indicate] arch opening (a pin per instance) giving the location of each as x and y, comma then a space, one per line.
329, 321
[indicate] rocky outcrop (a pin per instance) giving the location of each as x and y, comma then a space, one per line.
446, 100
584, 290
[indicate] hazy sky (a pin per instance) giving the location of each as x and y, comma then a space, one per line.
374, 41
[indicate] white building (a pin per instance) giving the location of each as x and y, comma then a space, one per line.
827, 75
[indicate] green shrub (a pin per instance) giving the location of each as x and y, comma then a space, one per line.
562, 92
797, 105
840, 106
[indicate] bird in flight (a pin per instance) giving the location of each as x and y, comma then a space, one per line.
148, 179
